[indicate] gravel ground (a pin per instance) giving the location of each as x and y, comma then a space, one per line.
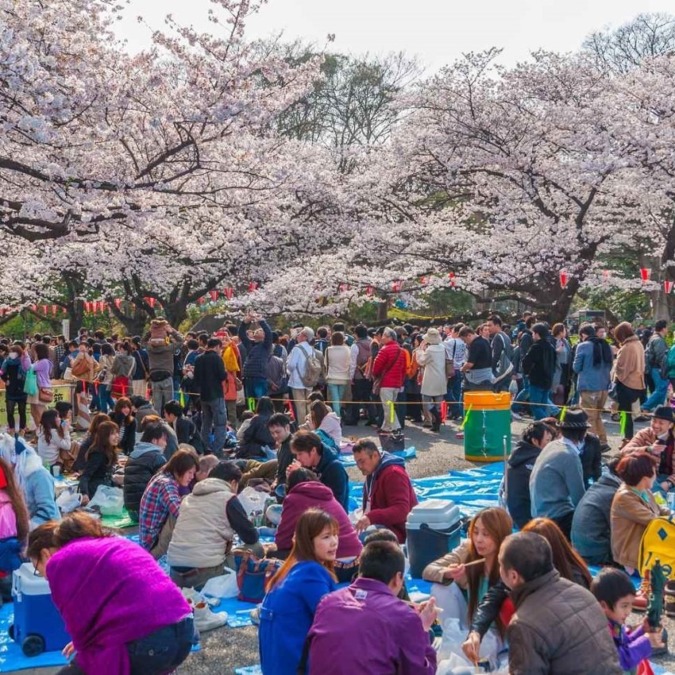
225, 649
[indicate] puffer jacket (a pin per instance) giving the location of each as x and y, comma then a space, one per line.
518, 470
390, 364
144, 462
559, 628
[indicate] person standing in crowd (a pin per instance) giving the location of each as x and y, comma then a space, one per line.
104, 377
561, 378
161, 365
539, 365
233, 367
209, 377
431, 355
502, 354
519, 469
477, 368
656, 355
593, 363
628, 378
139, 382
388, 494
370, 607
297, 362
362, 385
389, 370
339, 373
258, 350
557, 479
455, 351
558, 626
42, 368
13, 372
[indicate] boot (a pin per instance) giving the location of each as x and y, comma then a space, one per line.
642, 596
436, 419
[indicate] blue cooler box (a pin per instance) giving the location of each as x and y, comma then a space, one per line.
433, 529
38, 626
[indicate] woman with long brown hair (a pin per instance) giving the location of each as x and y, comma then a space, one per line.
565, 559
487, 530
101, 459
122, 416
294, 592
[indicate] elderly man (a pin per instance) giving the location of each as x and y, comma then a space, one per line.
658, 439
389, 368
296, 366
258, 349
558, 627
388, 495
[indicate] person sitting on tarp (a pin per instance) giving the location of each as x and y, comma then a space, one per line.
388, 494
208, 520
14, 525
304, 491
658, 439
370, 607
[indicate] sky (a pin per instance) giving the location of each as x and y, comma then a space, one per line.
437, 31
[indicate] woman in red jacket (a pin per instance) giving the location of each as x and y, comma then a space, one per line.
304, 491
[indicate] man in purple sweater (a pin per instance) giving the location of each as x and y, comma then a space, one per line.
385, 635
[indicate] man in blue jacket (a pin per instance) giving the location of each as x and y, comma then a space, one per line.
311, 453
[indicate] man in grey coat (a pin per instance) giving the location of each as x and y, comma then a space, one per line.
559, 627
557, 480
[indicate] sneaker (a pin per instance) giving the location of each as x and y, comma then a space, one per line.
205, 619
459, 434
605, 448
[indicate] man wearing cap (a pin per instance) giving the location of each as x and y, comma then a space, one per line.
658, 439
557, 480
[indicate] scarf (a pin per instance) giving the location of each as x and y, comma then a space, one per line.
602, 352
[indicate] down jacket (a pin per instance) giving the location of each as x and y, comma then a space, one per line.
144, 462
559, 629
390, 364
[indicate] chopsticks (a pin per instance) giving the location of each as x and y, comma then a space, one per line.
474, 562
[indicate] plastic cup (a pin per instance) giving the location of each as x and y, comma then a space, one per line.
56, 471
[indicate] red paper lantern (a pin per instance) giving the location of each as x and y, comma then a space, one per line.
214, 295
228, 292
343, 287
253, 286
45, 309
200, 301
667, 286
369, 290
151, 302
396, 286
644, 274
564, 278
104, 305
118, 303
423, 280
87, 306
54, 310
605, 275
33, 308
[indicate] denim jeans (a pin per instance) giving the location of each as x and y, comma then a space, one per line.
105, 400
256, 387
658, 396
214, 416
522, 397
542, 406
336, 393
454, 393
162, 392
160, 652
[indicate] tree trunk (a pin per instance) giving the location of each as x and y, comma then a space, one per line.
383, 310
134, 323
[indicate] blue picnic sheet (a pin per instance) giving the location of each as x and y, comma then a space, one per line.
407, 454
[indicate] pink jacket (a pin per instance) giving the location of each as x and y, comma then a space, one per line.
314, 494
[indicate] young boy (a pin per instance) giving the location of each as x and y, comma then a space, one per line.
615, 592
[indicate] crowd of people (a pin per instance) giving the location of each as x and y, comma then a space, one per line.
184, 423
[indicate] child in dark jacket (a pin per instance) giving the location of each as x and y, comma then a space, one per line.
615, 592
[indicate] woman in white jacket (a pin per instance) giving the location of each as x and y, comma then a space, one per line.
339, 371
431, 355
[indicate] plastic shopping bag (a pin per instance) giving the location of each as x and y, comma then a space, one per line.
224, 586
252, 500
109, 499
30, 386
68, 500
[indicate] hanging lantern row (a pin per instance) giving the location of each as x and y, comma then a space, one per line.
644, 274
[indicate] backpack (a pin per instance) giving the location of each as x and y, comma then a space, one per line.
505, 365
650, 356
669, 363
253, 574
312, 370
276, 375
658, 543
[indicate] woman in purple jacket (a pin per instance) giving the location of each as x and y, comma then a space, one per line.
305, 491
42, 368
128, 617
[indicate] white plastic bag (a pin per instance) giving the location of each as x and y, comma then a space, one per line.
224, 586
451, 646
252, 500
68, 500
109, 499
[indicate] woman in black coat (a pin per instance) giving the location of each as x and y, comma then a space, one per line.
101, 459
257, 434
123, 417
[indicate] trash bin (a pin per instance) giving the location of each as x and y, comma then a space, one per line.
432, 530
487, 432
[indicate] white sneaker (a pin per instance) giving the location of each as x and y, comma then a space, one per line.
205, 619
